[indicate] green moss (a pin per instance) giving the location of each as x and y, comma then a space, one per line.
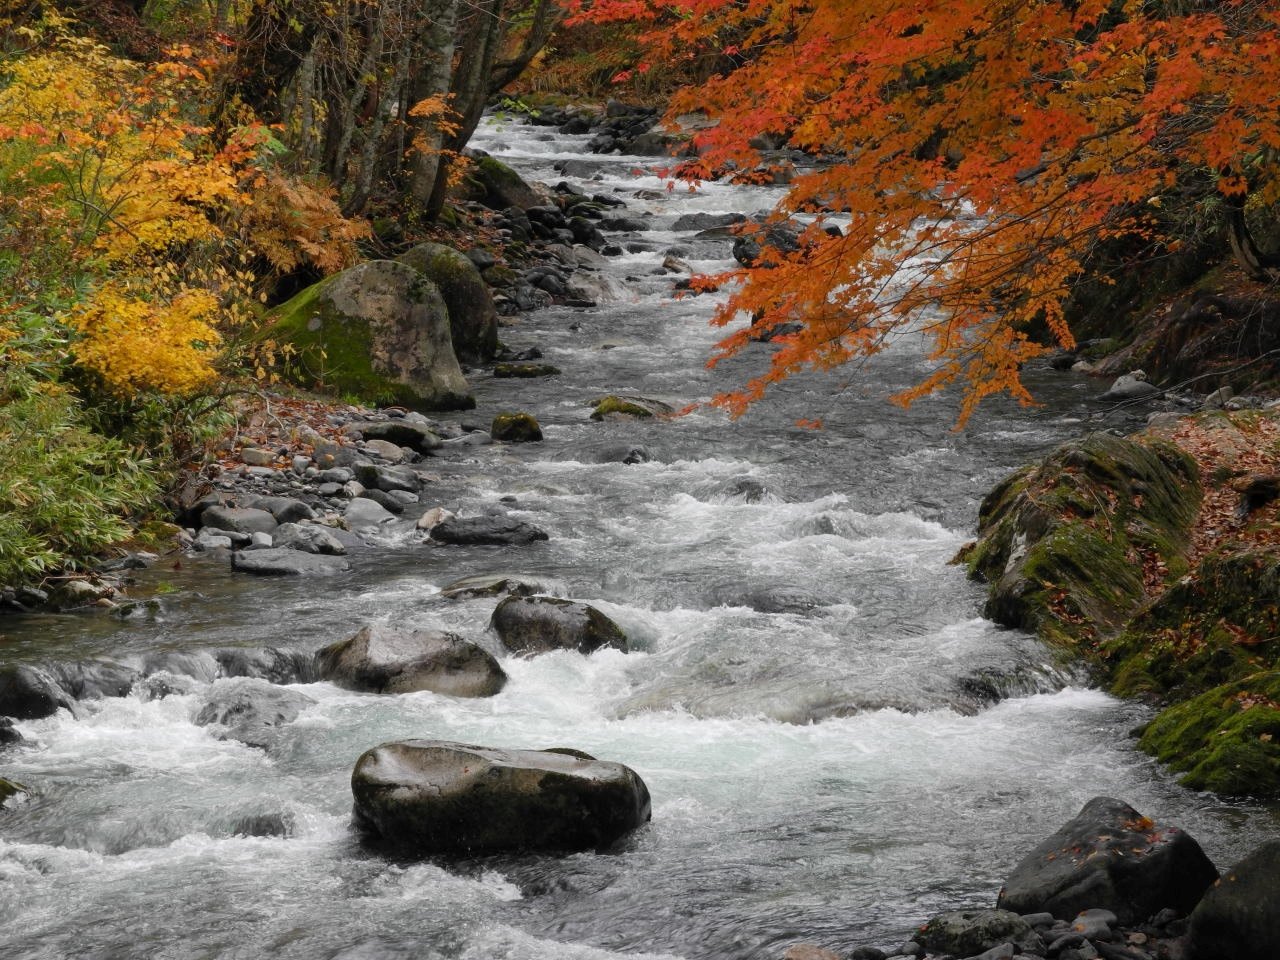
9, 788
619, 405
1226, 740
515, 428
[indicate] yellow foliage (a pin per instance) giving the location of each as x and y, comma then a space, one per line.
292, 222
167, 344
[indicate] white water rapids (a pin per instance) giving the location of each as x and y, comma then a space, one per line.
909, 794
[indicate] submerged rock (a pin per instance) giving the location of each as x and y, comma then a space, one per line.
385, 660
11, 790
280, 562
1239, 917
251, 711
532, 625
273, 664
1111, 857
498, 584
432, 796
495, 531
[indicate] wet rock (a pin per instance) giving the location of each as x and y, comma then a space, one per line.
198, 665
9, 735
516, 428
29, 692
620, 453
473, 320
405, 433
244, 520
273, 664
381, 659
280, 562
262, 825
778, 598
94, 679
1239, 917
706, 221
502, 187
496, 531
251, 711
629, 406
364, 513
11, 791
966, 933
387, 478
524, 371
1110, 857
746, 489
1131, 386
283, 509
432, 796
748, 249
387, 501
498, 585
308, 538
532, 625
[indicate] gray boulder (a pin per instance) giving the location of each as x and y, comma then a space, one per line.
496, 531
533, 625
387, 478
251, 711
385, 660
706, 221
94, 679
501, 186
404, 433
280, 562
967, 933
244, 520
473, 319
378, 331
362, 513
1131, 386
498, 585
28, 692
308, 538
283, 509
432, 796
1240, 915
273, 664
627, 405
9, 735
1110, 857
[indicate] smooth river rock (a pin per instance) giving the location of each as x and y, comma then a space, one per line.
382, 659
281, 562
1239, 918
433, 796
532, 625
967, 933
494, 531
499, 585
251, 711
1111, 857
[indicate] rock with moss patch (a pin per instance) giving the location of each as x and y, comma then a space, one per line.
378, 332
532, 625
502, 187
1059, 541
433, 796
524, 371
473, 319
11, 791
618, 405
516, 428
967, 933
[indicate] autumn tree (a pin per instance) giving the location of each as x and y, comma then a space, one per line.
983, 150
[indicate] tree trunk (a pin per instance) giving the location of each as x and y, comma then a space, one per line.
433, 79
1256, 264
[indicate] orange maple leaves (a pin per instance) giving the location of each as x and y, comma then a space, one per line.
982, 151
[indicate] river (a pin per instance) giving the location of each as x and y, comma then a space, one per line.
830, 771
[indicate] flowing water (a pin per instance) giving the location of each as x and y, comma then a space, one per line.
810, 704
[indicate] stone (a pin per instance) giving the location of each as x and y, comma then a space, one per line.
377, 477
524, 371
809, 951
273, 664
706, 221
281, 562
502, 187
1131, 386
28, 692
498, 585
436, 797
473, 318
431, 518
256, 457
246, 520
378, 331
497, 531
967, 933
250, 711
417, 436
283, 509
629, 406
532, 625
77, 592
1239, 917
93, 679
12, 791
365, 514
381, 659
384, 450
515, 428
308, 538
261, 541
9, 735
1110, 857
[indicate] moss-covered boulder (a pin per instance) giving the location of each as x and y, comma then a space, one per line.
501, 186
378, 332
516, 428
10, 790
1064, 543
524, 371
1226, 740
619, 405
473, 319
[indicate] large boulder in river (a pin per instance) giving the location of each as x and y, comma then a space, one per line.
1111, 857
379, 332
1240, 916
283, 562
381, 659
432, 796
532, 625
473, 319
251, 711
501, 186
28, 692
494, 531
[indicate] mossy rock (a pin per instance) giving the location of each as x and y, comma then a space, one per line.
1226, 740
627, 406
473, 319
1215, 626
502, 186
1061, 543
515, 428
378, 332
9, 789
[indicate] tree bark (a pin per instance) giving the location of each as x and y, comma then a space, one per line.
1256, 264
426, 136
